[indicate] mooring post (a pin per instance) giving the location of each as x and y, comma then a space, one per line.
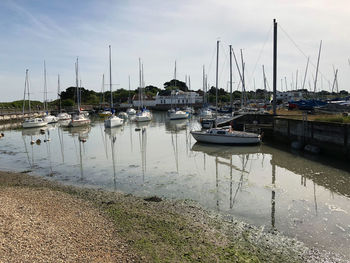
274, 66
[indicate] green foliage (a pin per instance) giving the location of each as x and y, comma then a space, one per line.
19, 104
175, 84
67, 103
337, 119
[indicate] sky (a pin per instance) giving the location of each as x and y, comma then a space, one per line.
160, 32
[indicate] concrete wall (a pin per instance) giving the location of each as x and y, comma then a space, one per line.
331, 138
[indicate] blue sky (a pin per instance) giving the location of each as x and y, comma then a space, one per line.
160, 32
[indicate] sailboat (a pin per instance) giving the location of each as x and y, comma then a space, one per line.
221, 135
143, 114
30, 122
62, 116
79, 119
176, 114
105, 112
112, 121
48, 117
130, 111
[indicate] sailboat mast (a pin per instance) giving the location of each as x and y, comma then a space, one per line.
307, 66
217, 75
59, 90
204, 84
318, 63
140, 83
129, 100
231, 100
77, 83
243, 80
143, 84
110, 76
45, 88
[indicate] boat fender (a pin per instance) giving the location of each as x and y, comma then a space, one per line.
32, 142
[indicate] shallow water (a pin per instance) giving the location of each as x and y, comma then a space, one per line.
262, 185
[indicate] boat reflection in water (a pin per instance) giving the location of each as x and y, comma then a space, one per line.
80, 134
261, 186
112, 135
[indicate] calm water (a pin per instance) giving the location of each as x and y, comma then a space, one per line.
261, 185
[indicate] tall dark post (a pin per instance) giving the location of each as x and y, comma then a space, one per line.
231, 100
274, 65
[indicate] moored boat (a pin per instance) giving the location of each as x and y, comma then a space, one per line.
226, 137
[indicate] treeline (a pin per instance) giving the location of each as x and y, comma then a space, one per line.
91, 97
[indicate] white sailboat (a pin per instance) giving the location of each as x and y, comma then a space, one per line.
78, 119
48, 117
30, 122
143, 114
130, 111
112, 121
62, 116
173, 113
221, 135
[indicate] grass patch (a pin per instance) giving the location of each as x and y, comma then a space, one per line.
337, 119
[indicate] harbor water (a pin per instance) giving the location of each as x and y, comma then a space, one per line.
307, 197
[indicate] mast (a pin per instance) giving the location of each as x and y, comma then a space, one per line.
231, 101
217, 76
110, 77
274, 66
129, 100
204, 86
243, 80
318, 62
24, 93
307, 65
45, 88
264, 76
143, 85
77, 83
59, 90
103, 89
140, 83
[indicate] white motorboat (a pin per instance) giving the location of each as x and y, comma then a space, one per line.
79, 120
226, 136
33, 123
131, 111
144, 115
177, 114
50, 118
64, 116
113, 121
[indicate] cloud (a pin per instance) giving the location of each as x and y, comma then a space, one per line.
160, 32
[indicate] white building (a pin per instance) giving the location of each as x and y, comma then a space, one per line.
179, 98
289, 95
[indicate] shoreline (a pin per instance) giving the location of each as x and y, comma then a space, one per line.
156, 230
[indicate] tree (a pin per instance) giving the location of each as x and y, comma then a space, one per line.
175, 84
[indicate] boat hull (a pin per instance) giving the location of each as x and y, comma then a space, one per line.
113, 122
78, 123
34, 123
225, 140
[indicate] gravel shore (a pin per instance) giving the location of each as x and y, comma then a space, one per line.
43, 221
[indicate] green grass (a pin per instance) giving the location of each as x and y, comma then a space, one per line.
337, 119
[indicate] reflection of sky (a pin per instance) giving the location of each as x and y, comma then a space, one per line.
160, 32
165, 161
